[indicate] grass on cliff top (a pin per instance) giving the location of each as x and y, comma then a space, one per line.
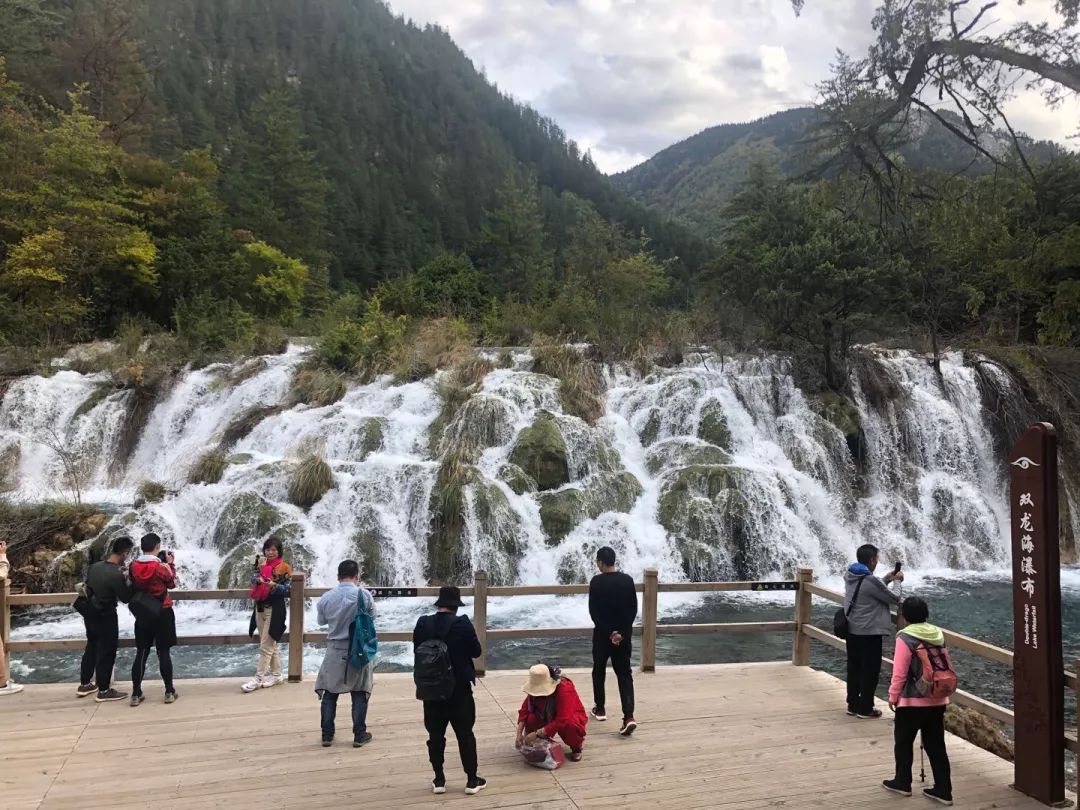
208, 468
581, 385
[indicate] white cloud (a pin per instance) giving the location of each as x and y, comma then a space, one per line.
626, 78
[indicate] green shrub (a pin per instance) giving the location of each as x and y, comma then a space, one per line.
367, 346
208, 468
311, 480
270, 338
211, 329
318, 386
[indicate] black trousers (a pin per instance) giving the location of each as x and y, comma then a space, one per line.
863, 672
160, 636
930, 721
99, 657
602, 650
460, 713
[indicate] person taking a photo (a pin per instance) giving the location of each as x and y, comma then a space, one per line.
152, 575
867, 601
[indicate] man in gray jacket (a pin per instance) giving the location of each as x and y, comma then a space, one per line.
867, 601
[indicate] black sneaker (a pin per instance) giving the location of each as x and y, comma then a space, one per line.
893, 786
110, 695
438, 785
629, 726
85, 690
873, 715
362, 740
850, 712
935, 795
474, 786
327, 741
598, 713
137, 700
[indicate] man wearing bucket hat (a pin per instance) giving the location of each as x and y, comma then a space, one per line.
552, 708
445, 645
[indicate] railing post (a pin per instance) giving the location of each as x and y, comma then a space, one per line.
296, 629
648, 620
480, 586
800, 646
5, 611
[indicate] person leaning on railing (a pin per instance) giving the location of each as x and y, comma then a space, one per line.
7, 686
867, 601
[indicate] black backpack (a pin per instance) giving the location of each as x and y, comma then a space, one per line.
433, 672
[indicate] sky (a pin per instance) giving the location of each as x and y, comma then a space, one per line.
627, 78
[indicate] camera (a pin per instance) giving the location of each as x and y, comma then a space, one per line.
164, 556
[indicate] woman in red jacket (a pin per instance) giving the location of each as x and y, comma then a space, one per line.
552, 708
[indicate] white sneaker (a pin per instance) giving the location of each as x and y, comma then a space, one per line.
12, 688
272, 680
255, 683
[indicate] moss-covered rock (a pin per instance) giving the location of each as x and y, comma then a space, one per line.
498, 523
541, 452
237, 565
368, 437
239, 458
10, 455
562, 511
838, 411
681, 452
65, 571
481, 422
370, 543
246, 516
517, 479
447, 560
650, 431
713, 426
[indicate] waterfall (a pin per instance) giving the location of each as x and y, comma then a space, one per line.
721, 468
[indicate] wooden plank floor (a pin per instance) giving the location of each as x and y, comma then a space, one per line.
732, 737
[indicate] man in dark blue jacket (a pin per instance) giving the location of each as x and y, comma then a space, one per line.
460, 710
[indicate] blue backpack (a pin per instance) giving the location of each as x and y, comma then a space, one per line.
364, 642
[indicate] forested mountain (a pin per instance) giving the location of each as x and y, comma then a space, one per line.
331, 131
695, 178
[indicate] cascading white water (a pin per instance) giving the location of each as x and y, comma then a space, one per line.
716, 469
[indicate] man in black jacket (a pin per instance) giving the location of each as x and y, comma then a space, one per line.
460, 710
613, 606
106, 587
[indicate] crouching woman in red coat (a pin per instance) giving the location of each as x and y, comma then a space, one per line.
552, 708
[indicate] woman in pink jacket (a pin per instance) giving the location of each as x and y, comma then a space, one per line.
915, 712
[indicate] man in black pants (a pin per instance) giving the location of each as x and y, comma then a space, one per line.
155, 628
867, 600
459, 711
106, 586
613, 606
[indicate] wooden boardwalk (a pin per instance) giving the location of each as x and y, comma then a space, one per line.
733, 737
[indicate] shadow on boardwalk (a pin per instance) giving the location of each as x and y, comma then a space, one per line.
731, 736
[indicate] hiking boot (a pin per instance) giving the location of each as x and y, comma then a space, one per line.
171, 697
474, 786
893, 786
109, 696
574, 755
939, 796
598, 714
252, 685
11, 688
136, 700
327, 740
362, 740
438, 785
873, 715
629, 726
272, 680
85, 690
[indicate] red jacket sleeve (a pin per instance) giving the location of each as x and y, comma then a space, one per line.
166, 574
523, 712
569, 710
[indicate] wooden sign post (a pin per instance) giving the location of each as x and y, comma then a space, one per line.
1038, 667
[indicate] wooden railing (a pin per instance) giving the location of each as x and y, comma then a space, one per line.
481, 592
957, 641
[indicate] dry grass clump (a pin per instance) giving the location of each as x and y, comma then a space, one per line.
581, 385
454, 389
318, 386
311, 480
208, 468
435, 344
149, 492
